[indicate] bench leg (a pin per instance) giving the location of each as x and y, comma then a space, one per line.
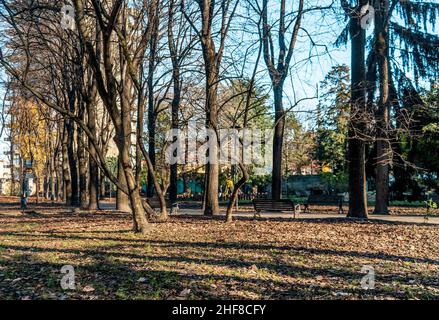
296, 210
174, 208
257, 213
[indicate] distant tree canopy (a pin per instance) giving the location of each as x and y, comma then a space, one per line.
332, 118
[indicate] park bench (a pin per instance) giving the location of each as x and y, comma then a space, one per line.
154, 203
434, 197
324, 199
270, 205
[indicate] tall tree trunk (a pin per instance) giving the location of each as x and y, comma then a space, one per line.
93, 181
175, 105
82, 169
102, 186
124, 141
356, 144
46, 187
12, 192
93, 177
175, 109
37, 188
278, 142
73, 164
211, 206
139, 134
58, 184
381, 48
52, 180
151, 104
67, 193
122, 199
140, 224
151, 145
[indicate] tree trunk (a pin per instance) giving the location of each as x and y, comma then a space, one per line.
175, 105
276, 187
12, 193
124, 143
122, 199
67, 194
73, 164
58, 184
234, 196
52, 180
383, 146
93, 181
356, 144
151, 105
102, 186
82, 168
175, 109
157, 187
151, 146
45, 187
140, 224
139, 134
211, 206
93, 178
37, 188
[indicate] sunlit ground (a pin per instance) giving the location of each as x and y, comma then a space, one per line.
200, 258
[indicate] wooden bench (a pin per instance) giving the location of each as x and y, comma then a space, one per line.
273, 206
154, 203
325, 199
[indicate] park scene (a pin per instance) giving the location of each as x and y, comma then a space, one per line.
219, 150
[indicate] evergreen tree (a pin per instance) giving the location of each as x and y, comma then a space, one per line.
333, 124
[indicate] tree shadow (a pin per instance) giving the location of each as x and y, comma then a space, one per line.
109, 280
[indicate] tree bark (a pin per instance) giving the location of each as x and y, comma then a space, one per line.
67, 192
82, 169
234, 196
140, 224
175, 104
93, 177
211, 206
356, 143
122, 199
278, 142
73, 164
151, 104
381, 49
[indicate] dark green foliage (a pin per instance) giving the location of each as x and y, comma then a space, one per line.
332, 122
416, 162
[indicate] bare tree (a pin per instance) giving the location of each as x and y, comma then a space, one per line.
212, 56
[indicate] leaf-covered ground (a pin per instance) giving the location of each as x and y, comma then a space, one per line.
200, 258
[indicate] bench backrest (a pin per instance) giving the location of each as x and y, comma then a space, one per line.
325, 199
277, 205
154, 202
434, 197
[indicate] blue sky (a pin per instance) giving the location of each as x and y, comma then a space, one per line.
305, 73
